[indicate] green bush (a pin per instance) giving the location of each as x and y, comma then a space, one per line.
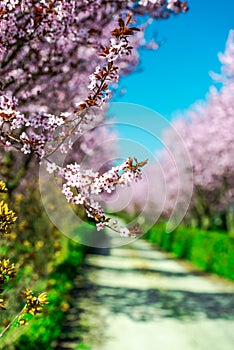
46, 327
210, 251
155, 235
182, 242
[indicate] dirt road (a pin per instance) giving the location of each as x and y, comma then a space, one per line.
138, 298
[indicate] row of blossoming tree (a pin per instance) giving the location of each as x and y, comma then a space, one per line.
60, 61
207, 133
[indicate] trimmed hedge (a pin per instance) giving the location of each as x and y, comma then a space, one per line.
210, 251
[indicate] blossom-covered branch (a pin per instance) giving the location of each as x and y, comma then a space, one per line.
34, 134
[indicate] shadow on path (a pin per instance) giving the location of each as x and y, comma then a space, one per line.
145, 271
147, 305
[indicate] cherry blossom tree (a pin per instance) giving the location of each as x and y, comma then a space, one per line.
60, 61
207, 132
210, 142
48, 49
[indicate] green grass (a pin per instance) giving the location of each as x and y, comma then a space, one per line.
210, 251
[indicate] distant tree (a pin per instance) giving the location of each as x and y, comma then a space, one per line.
207, 132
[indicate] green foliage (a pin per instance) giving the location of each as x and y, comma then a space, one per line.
45, 261
210, 251
46, 328
182, 242
34, 246
82, 346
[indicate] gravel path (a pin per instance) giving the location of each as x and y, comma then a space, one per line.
138, 298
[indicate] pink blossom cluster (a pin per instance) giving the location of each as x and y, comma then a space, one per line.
30, 140
120, 175
118, 46
170, 5
227, 60
80, 185
9, 114
123, 231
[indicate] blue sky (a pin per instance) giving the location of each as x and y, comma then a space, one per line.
175, 76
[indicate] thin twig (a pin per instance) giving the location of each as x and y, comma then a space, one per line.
11, 323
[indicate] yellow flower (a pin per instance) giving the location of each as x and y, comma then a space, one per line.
51, 282
19, 197
13, 236
26, 243
7, 218
22, 225
39, 244
2, 304
27, 292
2, 187
64, 306
34, 305
42, 298
7, 270
21, 320
56, 245
35, 276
